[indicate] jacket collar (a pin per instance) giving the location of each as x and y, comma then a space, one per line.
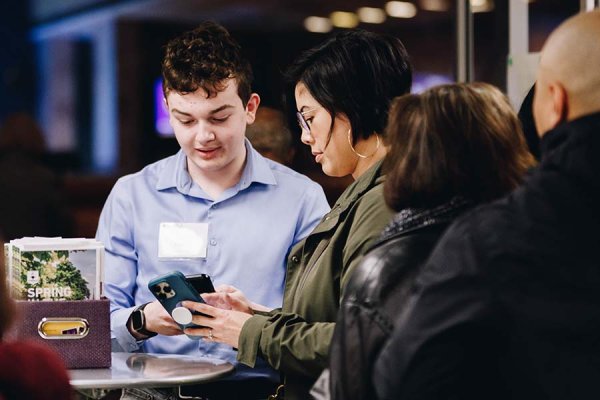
576, 130
414, 218
372, 177
175, 173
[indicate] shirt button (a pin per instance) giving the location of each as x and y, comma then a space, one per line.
213, 242
295, 259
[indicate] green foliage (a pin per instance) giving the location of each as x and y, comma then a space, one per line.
55, 271
68, 275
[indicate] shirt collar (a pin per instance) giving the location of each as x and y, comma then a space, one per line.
174, 174
257, 169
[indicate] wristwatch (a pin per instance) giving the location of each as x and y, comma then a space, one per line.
138, 322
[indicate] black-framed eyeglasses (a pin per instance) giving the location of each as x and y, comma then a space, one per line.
302, 121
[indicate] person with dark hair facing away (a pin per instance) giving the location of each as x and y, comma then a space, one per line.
32, 200
341, 90
247, 211
28, 370
270, 135
451, 147
508, 304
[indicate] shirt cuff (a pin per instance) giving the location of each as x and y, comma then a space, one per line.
118, 323
249, 341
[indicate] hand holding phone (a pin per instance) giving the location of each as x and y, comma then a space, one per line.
170, 290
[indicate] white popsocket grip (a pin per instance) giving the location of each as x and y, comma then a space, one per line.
182, 315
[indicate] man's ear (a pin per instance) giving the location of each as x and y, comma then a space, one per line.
560, 104
251, 108
166, 103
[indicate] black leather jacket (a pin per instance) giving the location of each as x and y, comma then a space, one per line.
508, 304
376, 291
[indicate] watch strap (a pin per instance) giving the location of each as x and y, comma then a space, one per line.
142, 329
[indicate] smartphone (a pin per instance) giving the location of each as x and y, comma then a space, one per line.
201, 282
170, 290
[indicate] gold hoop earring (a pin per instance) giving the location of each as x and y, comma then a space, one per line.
362, 155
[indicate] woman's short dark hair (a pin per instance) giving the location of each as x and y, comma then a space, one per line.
356, 73
453, 140
206, 58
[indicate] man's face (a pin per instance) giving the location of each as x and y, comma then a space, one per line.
211, 130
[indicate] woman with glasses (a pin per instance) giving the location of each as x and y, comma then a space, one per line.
341, 90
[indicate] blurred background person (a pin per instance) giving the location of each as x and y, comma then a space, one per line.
28, 370
451, 147
32, 202
270, 135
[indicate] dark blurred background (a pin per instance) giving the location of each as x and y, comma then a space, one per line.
87, 70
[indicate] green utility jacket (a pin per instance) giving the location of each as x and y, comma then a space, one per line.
295, 339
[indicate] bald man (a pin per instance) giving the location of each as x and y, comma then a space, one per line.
508, 306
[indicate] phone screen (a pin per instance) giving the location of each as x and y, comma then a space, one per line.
201, 282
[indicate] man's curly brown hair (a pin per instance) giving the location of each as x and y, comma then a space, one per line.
206, 58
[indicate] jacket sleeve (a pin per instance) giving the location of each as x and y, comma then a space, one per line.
287, 342
359, 331
378, 290
434, 341
369, 219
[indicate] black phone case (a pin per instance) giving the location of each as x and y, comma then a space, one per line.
201, 282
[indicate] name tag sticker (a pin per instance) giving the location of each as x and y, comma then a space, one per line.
182, 240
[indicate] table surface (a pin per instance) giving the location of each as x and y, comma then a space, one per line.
130, 370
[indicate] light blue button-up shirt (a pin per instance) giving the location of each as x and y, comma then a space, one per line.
252, 227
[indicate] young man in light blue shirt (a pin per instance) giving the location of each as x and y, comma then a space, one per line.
246, 211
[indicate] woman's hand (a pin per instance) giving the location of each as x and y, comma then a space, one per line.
158, 320
223, 326
228, 297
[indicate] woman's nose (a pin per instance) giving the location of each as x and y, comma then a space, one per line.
306, 137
